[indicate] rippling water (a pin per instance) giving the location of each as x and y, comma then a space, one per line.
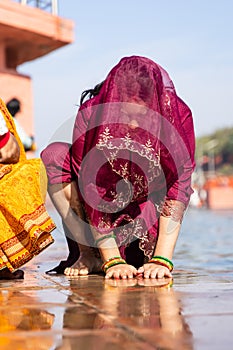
206, 241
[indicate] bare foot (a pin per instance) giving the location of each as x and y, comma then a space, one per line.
88, 262
72, 258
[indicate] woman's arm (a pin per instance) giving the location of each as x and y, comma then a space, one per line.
167, 238
168, 234
176, 201
110, 254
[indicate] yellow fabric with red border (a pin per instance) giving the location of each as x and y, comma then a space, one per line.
25, 224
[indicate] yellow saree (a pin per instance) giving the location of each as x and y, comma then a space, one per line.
25, 225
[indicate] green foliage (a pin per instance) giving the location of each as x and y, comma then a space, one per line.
219, 143
223, 138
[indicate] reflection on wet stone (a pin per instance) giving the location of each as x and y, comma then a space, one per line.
148, 308
74, 319
56, 312
114, 340
20, 317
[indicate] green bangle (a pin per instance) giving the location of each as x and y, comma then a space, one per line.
112, 235
116, 258
162, 263
162, 258
122, 262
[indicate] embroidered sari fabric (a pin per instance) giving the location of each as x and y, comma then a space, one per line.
132, 154
25, 225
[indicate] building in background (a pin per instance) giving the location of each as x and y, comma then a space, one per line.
29, 29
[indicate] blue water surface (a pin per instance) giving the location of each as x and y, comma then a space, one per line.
205, 242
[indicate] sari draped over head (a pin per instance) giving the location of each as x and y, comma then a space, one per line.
133, 152
133, 149
25, 225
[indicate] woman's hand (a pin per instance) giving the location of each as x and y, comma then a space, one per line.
152, 270
123, 271
10, 153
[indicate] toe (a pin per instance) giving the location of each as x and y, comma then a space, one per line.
67, 271
83, 271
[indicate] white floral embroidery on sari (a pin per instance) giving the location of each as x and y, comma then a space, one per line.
111, 150
135, 186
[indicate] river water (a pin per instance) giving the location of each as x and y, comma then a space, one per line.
205, 241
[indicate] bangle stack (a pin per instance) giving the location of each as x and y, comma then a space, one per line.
161, 260
105, 237
117, 260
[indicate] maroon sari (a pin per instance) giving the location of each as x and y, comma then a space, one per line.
132, 154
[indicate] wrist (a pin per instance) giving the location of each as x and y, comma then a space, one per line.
104, 239
163, 261
107, 246
117, 260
